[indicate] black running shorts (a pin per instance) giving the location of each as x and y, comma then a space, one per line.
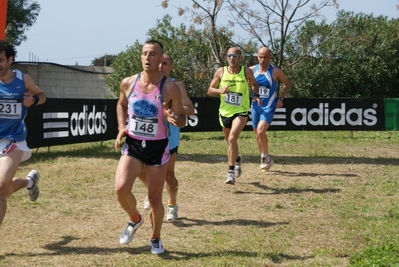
151, 152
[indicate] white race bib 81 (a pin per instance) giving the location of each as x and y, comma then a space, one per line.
233, 99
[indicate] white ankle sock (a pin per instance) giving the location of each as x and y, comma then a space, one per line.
30, 182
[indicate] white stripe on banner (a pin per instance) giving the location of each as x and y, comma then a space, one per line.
55, 115
279, 116
55, 134
278, 123
50, 125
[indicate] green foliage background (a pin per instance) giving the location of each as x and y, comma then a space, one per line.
189, 48
358, 57
355, 56
21, 15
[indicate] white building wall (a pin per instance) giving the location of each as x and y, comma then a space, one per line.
59, 81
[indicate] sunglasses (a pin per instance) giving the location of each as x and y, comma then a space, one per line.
232, 55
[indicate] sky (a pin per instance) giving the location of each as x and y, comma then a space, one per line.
74, 32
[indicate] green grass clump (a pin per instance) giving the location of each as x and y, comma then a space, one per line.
381, 256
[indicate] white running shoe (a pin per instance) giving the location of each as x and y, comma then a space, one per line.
230, 178
128, 233
146, 204
266, 163
172, 212
34, 191
237, 167
156, 246
263, 163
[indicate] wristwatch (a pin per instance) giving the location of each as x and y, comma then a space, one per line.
281, 98
256, 94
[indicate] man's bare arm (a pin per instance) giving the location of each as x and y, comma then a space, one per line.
173, 106
121, 106
213, 89
33, 93
186, 101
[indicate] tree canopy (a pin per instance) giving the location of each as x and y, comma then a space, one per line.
266, 22
194, 62
354, 56
362, 60
21, 15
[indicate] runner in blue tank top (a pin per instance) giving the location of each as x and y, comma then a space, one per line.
18, 92
267, 76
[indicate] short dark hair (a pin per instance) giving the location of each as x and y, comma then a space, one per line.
171, 59
7, 48
155, 42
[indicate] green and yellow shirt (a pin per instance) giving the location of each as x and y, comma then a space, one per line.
237, 100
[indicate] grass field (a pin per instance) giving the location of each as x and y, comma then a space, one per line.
331, 199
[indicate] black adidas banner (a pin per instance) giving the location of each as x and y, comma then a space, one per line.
301, 114
68, 121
